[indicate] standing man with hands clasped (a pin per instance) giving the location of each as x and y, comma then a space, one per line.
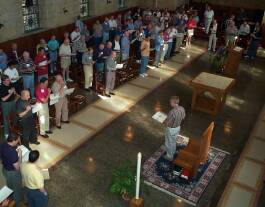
111, 73
173, 122
43, 95
26, 120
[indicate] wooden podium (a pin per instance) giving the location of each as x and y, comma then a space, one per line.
232, 62
209, 92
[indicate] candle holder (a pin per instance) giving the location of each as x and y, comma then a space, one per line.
137, 202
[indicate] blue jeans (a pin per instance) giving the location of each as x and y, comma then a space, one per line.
36, 198
14, 182
252, 50
144, 63
157, 57
98, 40
53, 57
170, 44
8, 108
105, 37
100, 67
171, 135
28, 82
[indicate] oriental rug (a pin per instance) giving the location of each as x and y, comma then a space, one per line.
159, 173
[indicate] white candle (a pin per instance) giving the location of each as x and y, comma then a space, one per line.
138, 175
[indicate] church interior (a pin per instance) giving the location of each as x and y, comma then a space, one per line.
117, 103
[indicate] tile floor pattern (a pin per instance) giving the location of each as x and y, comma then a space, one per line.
247, 179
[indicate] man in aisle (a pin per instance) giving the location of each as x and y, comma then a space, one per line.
87, 61
212, 38
11, 160
61, 107
111, 74
145, 53
8, 103
53, 46
32, 176
43, 95
125, 46
208, 18
26, 120
27, 69
173, 122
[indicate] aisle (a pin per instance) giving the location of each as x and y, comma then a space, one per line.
97, 115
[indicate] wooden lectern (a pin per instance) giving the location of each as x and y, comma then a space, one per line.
196, 152
232, 62
209, 92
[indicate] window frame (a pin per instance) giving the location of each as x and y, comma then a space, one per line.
85, 3
29, 12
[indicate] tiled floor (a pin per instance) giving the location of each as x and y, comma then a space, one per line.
246, 182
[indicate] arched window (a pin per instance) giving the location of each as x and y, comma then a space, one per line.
84, 8
121, 3
30, 12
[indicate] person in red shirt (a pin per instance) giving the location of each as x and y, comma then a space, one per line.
191, 24
42, 96
41, 61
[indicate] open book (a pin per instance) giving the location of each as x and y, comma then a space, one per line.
160, 117
54, 99
46, 174
25, 153
35, 108
119, 66
69, 91
5, 192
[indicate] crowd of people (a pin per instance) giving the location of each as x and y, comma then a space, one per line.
98, 51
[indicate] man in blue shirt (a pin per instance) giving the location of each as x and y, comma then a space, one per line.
125, 46
106, 29
53, 46
11, 160
159, 43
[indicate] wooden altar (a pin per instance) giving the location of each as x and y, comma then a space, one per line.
233, 61
209, 92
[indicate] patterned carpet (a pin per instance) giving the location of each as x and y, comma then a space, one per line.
159, 173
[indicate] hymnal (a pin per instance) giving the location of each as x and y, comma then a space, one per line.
160, 116
119, 66
25, 153
5, 192
69, 91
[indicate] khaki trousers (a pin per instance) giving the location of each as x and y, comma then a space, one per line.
61, 108
43, 114
88, 71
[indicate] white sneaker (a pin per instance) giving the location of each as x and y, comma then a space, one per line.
145, 74
69, 80
142, 75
